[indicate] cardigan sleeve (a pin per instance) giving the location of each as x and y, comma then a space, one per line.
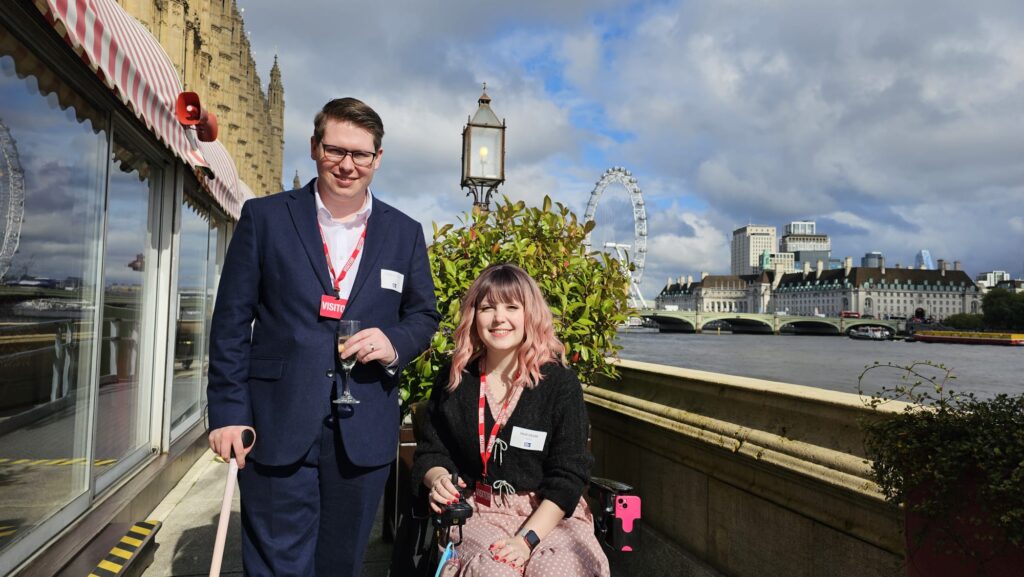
567, 464
432, 435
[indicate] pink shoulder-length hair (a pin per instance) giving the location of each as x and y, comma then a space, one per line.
507, 283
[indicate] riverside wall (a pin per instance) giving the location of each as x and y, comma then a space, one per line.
744, 477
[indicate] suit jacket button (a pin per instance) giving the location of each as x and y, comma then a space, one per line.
330, 374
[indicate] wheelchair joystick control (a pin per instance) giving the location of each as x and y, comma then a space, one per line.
454, 515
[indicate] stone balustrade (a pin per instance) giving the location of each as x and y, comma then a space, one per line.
743, 477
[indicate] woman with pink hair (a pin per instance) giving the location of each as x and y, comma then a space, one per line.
508, 418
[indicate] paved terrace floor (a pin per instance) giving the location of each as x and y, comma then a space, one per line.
189, 515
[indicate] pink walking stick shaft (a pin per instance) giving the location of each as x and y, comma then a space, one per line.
225, 517
248, 437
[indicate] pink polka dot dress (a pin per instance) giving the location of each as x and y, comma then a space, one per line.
570, 550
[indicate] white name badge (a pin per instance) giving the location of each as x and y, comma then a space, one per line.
528, 439
391, 280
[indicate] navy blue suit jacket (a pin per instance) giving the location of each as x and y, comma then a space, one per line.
271, 352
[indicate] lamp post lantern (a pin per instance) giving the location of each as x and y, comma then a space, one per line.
483, 154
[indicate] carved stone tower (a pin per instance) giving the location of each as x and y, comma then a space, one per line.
275, 110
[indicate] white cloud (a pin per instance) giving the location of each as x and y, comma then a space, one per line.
897, 125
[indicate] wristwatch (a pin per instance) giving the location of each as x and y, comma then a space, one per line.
532, 540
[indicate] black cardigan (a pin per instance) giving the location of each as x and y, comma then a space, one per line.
449, 436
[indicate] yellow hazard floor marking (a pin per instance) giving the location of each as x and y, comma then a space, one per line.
119, 552
104, 564
8, 530
121, 556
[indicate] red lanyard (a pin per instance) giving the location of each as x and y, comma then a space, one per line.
485, 454
336, 279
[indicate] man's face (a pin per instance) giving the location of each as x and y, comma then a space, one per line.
343, 181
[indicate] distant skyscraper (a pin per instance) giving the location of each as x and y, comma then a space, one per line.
991, 279
872, 260
924, 260
805, 244
748, 244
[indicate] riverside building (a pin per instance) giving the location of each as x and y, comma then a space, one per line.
748, 244
802, 240
114, 225
718, 293
879, 292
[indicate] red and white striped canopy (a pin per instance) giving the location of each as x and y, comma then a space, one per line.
126, 56
227, 183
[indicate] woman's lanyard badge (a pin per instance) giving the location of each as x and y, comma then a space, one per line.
333, 306
483, 491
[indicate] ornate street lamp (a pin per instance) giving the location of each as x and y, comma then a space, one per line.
483, 154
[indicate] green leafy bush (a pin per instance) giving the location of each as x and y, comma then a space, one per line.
1003, 309
947, 449
965, 322
587, 291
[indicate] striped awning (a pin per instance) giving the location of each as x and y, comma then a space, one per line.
227, 185
129, 60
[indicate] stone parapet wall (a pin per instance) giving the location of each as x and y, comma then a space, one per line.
751, 477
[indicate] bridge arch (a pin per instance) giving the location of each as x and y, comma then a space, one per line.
813, 325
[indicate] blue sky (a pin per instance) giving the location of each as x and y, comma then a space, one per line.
897, 126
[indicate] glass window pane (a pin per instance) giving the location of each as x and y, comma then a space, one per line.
190, 332
52, 169
123, 412
216, 248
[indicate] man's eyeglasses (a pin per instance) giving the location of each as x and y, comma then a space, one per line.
335, 154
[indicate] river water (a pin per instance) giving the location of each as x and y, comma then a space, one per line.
828, 362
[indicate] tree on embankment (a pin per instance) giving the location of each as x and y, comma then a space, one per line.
1003, 309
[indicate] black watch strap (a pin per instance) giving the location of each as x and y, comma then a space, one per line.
532, 540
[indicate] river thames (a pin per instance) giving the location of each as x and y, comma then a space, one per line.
828, 362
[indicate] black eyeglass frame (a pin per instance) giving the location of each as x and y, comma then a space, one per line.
335, 154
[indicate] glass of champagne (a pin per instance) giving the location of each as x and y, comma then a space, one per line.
345, 331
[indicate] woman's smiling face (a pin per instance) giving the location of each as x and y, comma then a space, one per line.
500, 325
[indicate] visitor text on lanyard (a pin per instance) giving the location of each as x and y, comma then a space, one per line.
333, 306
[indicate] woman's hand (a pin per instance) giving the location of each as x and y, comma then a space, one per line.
443, 492
512, 550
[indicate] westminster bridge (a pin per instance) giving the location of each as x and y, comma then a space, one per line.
697, 321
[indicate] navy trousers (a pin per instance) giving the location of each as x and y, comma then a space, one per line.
312, 518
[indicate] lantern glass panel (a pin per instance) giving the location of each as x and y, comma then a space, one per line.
485, 154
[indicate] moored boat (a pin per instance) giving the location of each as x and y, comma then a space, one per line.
866, 333
968, 337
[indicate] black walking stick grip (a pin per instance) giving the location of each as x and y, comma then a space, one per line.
248, 438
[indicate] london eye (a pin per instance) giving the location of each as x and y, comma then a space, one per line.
637, 252
12, 198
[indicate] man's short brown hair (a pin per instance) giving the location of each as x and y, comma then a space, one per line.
349, 110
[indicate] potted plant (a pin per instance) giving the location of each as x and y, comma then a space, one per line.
955, 462
587, 292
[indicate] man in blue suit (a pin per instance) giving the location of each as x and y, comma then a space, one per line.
299, 260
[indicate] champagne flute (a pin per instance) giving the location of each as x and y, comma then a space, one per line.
345, 331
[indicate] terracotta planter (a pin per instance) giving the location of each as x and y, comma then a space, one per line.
976, 551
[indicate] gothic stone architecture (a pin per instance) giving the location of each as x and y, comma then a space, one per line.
208, 45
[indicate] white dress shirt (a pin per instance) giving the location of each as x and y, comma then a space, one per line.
342, 237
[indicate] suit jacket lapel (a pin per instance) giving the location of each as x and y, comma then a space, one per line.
302, 207
376, 235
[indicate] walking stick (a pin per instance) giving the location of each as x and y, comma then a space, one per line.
248, 438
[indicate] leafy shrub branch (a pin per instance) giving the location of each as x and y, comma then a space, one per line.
587, 291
